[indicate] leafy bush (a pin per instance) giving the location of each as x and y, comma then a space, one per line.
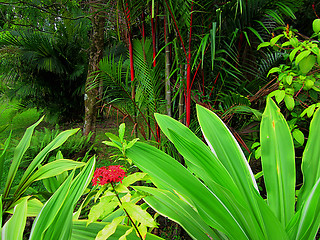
298, 78
217, 197
76, 146
15, 199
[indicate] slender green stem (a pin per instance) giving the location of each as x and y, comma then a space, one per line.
134, 225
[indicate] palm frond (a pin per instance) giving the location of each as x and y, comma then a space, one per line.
147, 76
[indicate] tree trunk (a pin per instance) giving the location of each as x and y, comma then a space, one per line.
181, 97
167, 68
92, 84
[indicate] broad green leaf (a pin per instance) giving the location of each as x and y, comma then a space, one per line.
122, 129
302, 55
298, 136
109, 229
310, 160
61, 227
34, 207
274, 40
228, 151
18, 153
111, 144
132, 178
273, 227
113, 137
14, 227
289, 79
51, 184
80, 231
166, 171
55, 168
294, 52
212, 170
55, 143
254, 145
169, 205
142, 231
132, 142
124, 236
306, 222
120, 188
310, 110
264, 44
286, 44
106, 205
307, 63
278, 162
223, 144
138, 214
50, 210
225, 193
316, 25
294, 42
257, 154
279, 95
49, 170
273, 70
289, 101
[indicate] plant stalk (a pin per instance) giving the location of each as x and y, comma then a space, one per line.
134, 225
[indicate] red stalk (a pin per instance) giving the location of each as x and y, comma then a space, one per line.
143, 26
154, 50
131, 57
188, 100
130, 44
175, 23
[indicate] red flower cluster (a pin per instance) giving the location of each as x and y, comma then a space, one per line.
110, 174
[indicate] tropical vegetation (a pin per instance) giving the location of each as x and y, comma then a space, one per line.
217, 106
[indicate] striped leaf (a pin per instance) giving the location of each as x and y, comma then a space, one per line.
310, 160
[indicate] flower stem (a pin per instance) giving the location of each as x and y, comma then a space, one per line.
134, 225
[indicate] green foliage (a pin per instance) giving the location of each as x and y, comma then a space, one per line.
76, 146
299, 84
54, 218
219, 185
35, 171
46, 70
117, 204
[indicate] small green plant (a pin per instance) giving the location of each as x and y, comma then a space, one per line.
217, 197
76, 146
53, 216
115, 192
298, 78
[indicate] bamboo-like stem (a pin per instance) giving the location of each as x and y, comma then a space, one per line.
153, 41
127, 13
175, 23
167, 68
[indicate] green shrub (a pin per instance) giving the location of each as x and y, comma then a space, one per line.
74, 148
